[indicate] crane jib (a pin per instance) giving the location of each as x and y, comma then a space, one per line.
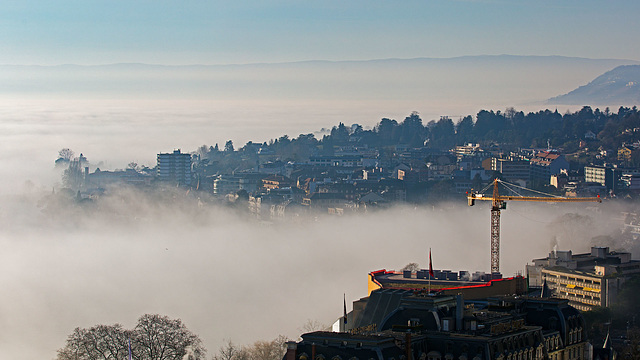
499, 202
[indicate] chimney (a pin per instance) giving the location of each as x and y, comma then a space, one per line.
599, 252
292, 346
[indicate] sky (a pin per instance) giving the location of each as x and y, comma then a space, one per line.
220, 32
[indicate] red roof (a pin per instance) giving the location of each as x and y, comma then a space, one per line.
545, 158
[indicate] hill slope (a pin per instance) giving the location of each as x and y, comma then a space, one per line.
620, 86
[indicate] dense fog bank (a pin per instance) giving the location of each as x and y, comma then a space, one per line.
67, 263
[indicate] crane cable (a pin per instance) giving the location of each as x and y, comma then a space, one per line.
510, 189
524, 188
485, 188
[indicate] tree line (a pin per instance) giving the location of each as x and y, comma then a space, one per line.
510, 128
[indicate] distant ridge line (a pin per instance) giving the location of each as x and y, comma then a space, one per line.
320, 61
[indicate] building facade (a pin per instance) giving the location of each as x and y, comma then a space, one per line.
585, 280
598, 174
547, 163
175, 167
512, 170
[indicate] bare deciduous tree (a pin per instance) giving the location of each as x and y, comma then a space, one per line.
98, 342
66, 154
155, 337
259, 350
231, 351
160, 338
313, 325
75, 348
268, 350
411, 267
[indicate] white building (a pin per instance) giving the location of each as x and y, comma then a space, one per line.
175, 167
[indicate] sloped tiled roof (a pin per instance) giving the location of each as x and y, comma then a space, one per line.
544, 158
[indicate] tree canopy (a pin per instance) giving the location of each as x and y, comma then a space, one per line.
155, 337
585, 129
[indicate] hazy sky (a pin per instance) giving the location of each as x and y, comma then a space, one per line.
246, 31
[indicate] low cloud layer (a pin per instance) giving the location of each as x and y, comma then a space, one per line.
228, 277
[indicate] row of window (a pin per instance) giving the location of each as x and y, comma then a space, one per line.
594, 298
575, 280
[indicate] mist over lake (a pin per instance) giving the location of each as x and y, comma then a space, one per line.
229, 278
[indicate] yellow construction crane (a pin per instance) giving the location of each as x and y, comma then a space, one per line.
498, 202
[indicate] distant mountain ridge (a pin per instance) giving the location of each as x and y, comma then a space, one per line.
457, 59
453, 87
620, 86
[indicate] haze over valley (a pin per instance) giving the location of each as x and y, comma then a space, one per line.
65, 265
119, 82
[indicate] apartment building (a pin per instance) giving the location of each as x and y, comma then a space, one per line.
586, 280
175, 167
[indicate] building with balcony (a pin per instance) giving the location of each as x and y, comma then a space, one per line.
586, 280
175, 168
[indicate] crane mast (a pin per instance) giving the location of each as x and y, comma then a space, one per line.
498, 202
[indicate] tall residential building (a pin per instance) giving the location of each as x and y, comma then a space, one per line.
598, 174
175, 167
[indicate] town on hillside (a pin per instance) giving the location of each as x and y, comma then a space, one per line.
583, 153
